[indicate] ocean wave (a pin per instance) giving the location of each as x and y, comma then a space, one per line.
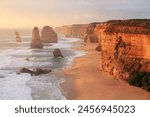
13, 87
34, 87
46, 87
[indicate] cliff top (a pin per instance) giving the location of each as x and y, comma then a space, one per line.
132, 26
131, 22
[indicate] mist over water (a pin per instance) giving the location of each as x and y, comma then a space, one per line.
24, 86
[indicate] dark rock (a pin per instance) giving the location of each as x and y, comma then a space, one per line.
98, 48
37, 71
57, 53
26, 70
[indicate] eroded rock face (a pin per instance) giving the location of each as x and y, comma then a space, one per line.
75, 30
18, 38
125, 46
57, 53
36, 40
98, 48
48, 35
90, 35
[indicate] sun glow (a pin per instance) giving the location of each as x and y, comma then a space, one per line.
28, 13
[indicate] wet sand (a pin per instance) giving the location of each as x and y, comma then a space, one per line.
89, 82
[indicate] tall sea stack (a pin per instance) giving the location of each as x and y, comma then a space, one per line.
18, 38
48, 35
36, 41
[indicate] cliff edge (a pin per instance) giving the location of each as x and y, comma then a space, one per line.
125, 47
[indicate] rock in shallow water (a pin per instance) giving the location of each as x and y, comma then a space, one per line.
57, 53
37, 71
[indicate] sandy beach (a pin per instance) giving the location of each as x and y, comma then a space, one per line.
91, 83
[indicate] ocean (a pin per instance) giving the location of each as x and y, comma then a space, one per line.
23, 86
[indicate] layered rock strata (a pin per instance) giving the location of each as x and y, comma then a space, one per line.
125, 47
90, 34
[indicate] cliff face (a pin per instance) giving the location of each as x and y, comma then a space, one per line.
48, 35
91, 33
94, 32
76, 30
36, 40
124, 54
125, 46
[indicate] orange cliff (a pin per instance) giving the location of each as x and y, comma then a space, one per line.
75, 30
125, 46
91, 33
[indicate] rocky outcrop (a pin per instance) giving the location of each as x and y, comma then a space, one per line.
57, 53
125, 46
35, 72
98, 48
36, 40
90, 35
75, 30
48, 35
18, 38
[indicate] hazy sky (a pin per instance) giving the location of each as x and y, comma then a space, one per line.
28, 13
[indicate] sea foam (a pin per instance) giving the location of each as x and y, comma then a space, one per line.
26, 87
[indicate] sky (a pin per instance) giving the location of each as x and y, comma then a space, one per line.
30, 13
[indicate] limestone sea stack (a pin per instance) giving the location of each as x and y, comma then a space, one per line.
57, 53
18, 38
36, 41
48, 35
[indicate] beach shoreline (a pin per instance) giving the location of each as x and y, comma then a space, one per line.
89, 82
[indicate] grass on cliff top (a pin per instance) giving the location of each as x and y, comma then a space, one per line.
131, 22
140, 79
142, 26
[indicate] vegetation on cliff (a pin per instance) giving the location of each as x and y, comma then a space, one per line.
140, 79
132, 26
